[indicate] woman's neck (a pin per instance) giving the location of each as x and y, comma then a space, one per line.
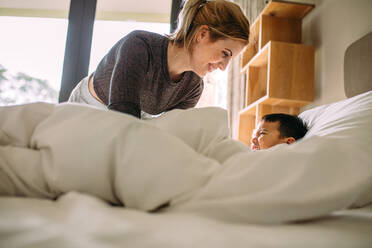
178, 61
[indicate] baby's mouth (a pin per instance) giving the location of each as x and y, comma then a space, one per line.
254, 147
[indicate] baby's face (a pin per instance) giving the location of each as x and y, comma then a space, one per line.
266, 135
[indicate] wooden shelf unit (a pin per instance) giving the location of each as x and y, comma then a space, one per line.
279, 69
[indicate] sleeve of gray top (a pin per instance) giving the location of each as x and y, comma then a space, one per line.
131, 63
192, 97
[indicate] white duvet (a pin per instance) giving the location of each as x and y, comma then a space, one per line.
186, 159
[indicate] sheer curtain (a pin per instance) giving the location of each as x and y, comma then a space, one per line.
236, 90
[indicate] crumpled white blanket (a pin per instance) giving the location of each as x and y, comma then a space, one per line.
184, 158
81, 220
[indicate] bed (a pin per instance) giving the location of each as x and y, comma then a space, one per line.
123, 182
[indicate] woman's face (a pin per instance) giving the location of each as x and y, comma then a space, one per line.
208, 56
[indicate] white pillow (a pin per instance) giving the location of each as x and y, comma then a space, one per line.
349, 119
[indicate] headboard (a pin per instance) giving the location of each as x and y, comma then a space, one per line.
358, 66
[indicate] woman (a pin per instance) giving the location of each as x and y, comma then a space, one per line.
147, 73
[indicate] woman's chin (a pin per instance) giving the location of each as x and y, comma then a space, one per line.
201, 73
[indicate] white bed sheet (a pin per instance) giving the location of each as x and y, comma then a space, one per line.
80, 220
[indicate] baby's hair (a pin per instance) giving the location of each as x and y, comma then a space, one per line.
289, 125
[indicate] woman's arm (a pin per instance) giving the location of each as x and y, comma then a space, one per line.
124, 69
192, 97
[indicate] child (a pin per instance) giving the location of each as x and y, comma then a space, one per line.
278, 128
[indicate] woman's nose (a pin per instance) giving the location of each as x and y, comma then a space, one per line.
223, 65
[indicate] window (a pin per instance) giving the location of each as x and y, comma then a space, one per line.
215, 90
32, 51
107, 33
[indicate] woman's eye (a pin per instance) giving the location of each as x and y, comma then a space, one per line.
225, 54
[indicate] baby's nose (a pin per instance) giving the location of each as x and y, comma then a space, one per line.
254, 141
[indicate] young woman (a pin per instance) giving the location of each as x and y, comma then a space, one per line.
147, 73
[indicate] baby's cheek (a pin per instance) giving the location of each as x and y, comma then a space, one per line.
262, 143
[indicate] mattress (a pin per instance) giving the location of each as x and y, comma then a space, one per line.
81, 220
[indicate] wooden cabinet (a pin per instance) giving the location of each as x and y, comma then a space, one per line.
279, 69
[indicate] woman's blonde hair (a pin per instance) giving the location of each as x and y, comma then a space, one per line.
225, 20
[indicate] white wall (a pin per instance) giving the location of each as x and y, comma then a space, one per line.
331, 27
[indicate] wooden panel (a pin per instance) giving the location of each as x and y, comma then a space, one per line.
261, 58
252, 48
291, 69
281, 70
257, 77
287, 9
256, 83
246, 127
264, 109
284, 102
280, 29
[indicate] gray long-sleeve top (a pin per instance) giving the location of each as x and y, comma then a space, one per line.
134, 76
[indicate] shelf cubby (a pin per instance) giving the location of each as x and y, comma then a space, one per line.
252, 47
277, 15
279, 68
273, 79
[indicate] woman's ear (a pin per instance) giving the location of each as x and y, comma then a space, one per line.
203, 33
